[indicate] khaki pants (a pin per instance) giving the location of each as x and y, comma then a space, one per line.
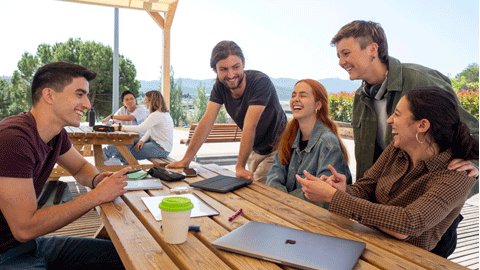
260, 165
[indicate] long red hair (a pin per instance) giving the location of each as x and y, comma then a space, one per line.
290, 133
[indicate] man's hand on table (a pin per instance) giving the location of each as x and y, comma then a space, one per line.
178, 164
241, 172
112, 185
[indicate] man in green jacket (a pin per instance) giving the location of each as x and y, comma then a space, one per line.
362, 50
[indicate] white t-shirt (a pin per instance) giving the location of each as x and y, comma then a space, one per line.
140, 114
158, 127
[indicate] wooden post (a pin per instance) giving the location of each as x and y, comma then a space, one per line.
166, 25
166, 67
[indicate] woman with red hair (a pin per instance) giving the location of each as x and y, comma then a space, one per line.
310, 142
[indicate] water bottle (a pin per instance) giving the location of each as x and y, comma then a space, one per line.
91, 117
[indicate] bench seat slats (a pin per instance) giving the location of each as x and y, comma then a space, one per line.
219, 133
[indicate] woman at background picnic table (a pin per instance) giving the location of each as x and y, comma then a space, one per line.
158, 139
409, 192
309, 143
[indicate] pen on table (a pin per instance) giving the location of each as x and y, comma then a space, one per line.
235, 214
191, 228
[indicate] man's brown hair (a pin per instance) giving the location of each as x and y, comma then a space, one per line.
365, 32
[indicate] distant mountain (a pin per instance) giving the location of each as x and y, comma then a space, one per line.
284, 86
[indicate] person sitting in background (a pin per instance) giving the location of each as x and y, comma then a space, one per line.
409, 192
309, 143
130, 113
158, 127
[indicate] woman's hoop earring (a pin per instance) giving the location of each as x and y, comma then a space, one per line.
416, 136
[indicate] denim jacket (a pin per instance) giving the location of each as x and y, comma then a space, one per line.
323, 149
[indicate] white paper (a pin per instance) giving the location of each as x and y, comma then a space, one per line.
200, 208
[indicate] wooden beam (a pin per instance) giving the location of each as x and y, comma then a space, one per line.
166, 66
170, 14
157, 18
166, 52
154, 6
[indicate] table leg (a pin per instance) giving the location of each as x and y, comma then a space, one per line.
99, 163
78, 147
98, 155
87, 150
127, 154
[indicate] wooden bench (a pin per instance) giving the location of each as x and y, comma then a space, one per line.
161, 162
219, 133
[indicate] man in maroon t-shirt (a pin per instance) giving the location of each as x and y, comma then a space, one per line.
31, 143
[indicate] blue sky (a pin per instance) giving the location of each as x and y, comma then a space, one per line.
281, 38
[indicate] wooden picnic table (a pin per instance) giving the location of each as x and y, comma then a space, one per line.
84, 137
141, 244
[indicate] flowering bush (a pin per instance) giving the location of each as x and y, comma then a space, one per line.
341, 104
469, 101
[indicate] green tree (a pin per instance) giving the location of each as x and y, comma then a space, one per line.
467, 79
20, 93
5, 99
92, 55
470, 73
222, 116
177, 112
201, 102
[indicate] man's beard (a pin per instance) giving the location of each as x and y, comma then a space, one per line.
240, 80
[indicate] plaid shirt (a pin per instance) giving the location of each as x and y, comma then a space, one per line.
421, 202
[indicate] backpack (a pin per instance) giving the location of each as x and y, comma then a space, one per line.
53, 193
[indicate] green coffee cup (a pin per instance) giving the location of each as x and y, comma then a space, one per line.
175, 218
176, 204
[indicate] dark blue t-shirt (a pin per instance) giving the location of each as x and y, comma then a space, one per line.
258, 91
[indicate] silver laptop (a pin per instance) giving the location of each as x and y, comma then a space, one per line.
287, 246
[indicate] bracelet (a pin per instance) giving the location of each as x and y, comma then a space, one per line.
93, 180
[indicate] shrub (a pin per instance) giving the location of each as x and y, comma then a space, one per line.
469, 101
341, 106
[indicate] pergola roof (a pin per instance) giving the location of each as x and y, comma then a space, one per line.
153, 7
147, 5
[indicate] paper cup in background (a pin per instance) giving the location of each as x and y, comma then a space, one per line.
175, 218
